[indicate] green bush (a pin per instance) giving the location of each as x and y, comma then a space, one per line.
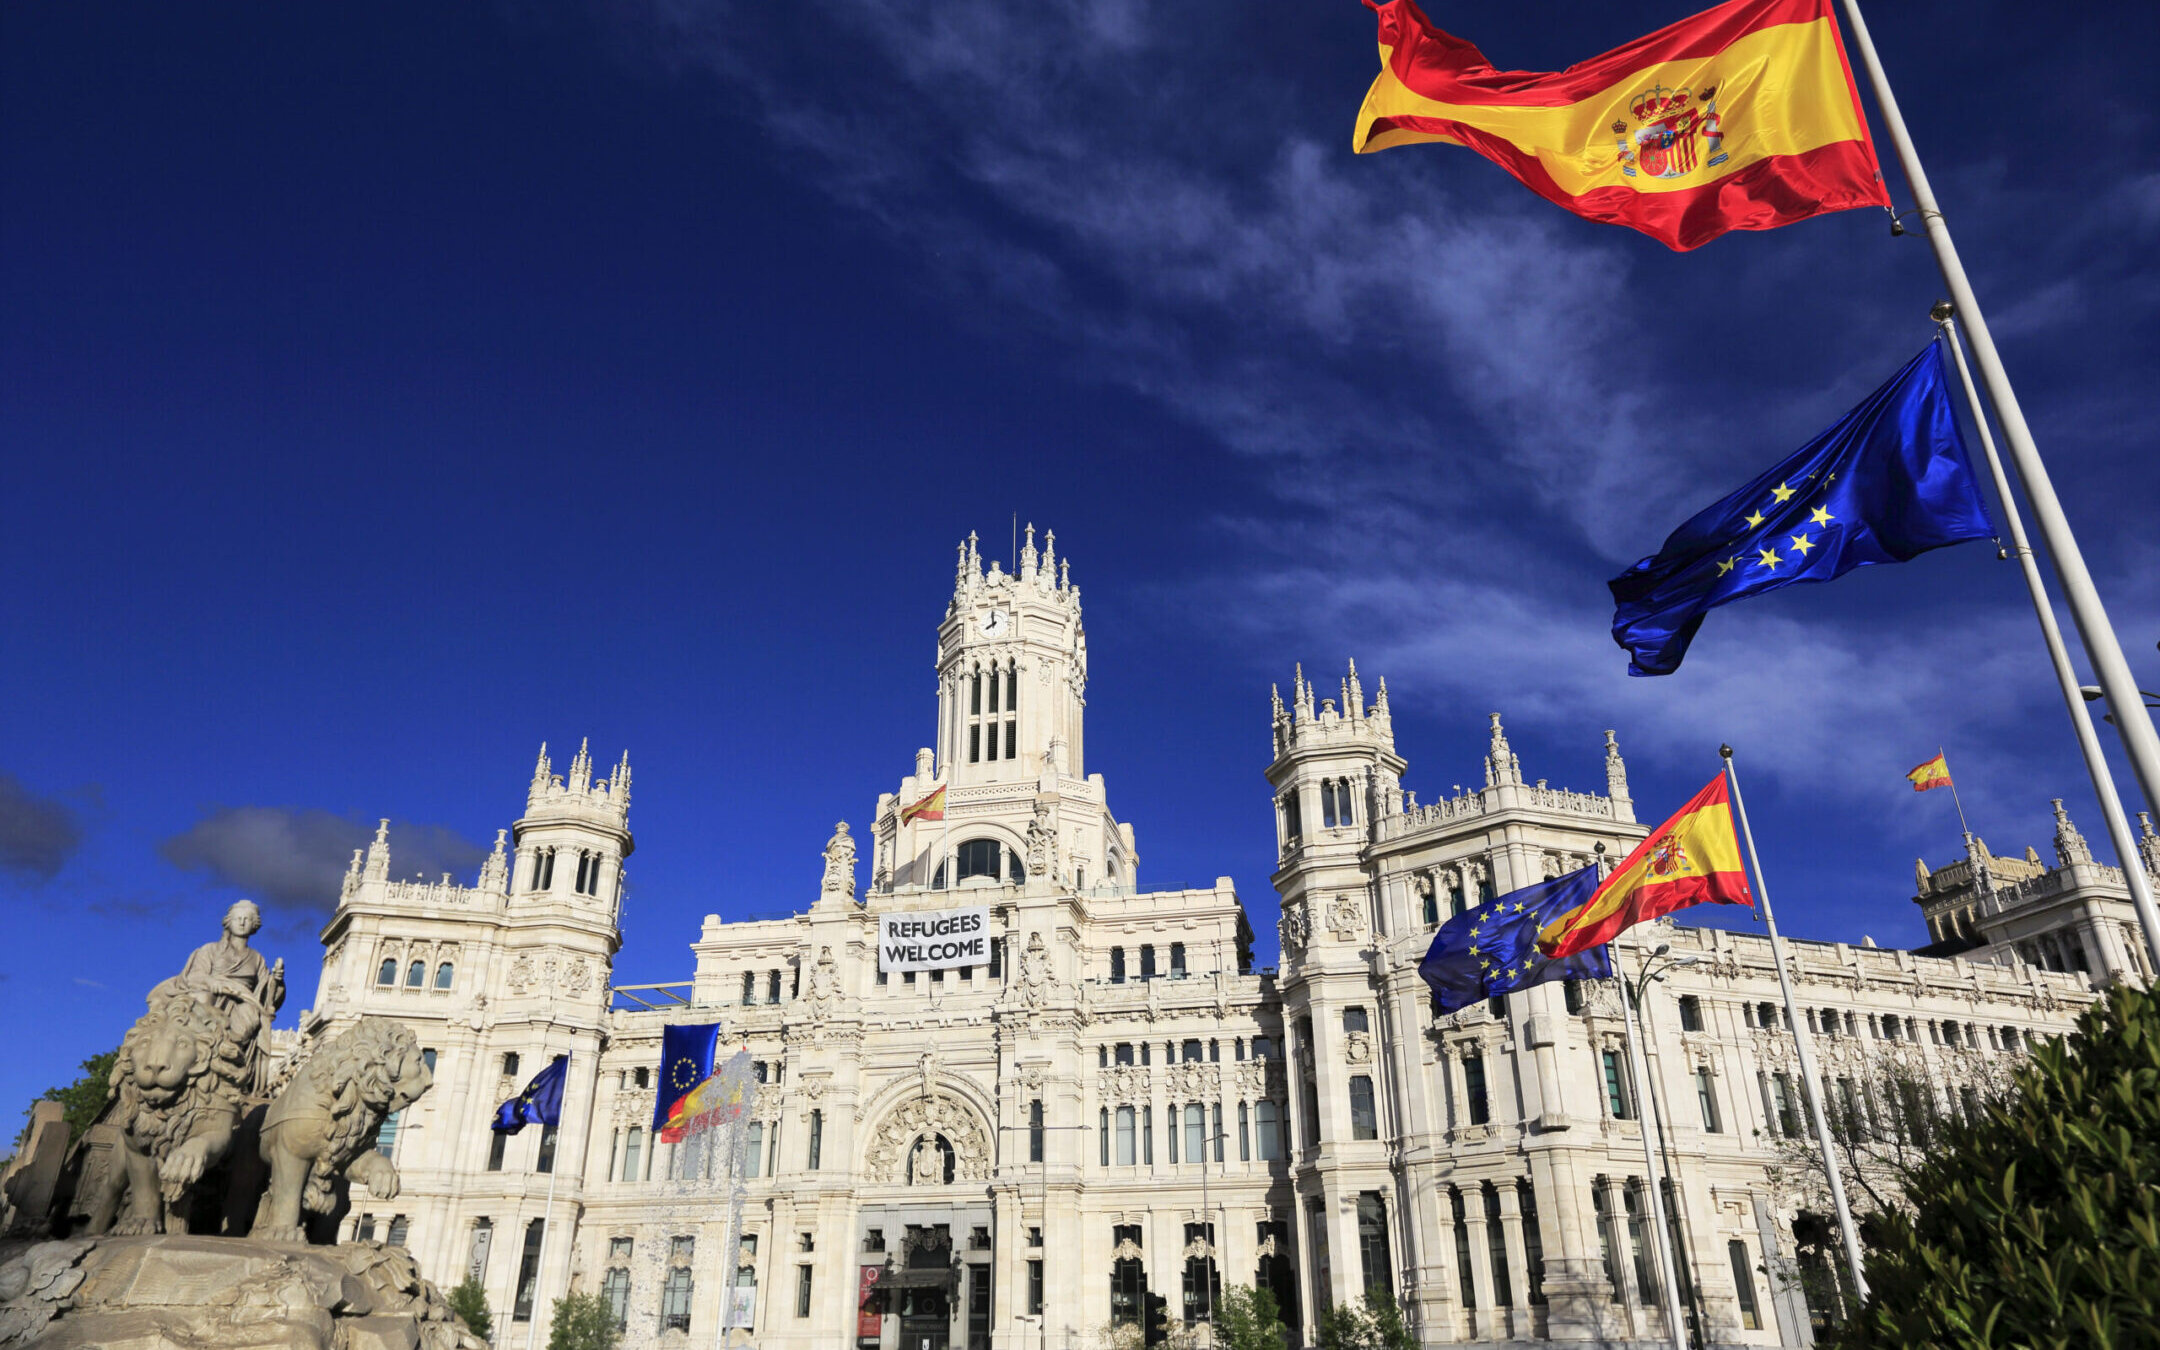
582, 1322
2039, 1224
469, 1302
1248, 1319
1378, 1325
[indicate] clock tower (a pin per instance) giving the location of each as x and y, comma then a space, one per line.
1012, 670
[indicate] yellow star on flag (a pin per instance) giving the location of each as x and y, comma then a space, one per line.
1781, 492
1755, 519
1727, 564
1770, 559
1802, 544
1518, 907
1822, 517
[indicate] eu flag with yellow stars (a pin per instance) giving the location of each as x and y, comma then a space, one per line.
1889, 482
686, 1060
1492, 950
541, 1101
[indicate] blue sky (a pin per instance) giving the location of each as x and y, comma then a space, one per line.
385, 390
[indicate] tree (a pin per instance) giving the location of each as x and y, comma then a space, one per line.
1377, 1325
469, 1302
582, 1322
1249, 1319
2039, 1225
80, 1101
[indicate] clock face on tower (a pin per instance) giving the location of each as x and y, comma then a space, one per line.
996, 623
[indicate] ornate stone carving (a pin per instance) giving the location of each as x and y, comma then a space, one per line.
1346, 918
234, 979
325, 1123
1124, 1083
1295, 927
1196, 1080
839, 864
178, 1098
577, 977
824, 983
1042, 850
1035, 971
1127, 1250
1357, 1047
521, 975
899, 1138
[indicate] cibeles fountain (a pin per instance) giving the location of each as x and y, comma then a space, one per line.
195, 1228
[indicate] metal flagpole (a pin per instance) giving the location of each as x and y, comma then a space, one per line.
1963, 828
1810, 1088
547, 1223
2111, 807
2132, 720
1654, 1196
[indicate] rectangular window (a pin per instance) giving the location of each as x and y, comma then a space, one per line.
1378, 1265
546, 1161
633, 1149
1690, 1013
1496, 1250
1646, 1283
386, 1135
1468, 1286
1244, 1132
1533, 1242
1035, 1288
1364, 1121
975, 743
1147, 1135
1035, 1131
1195, 1133
1473, 1072
1270, 1130
1743, 1274
1601, 1201
817, 1138
754, 1150
802, 1291
1012, 740
1616, 1098
1356, 1019
1190, 1051
675, 1300
1177, 960
521, 1307
1170, 1134
1126, 1151
1217, 1134
1147, 960
1117, 970
1788, 1116
495, 1151
1708, 1099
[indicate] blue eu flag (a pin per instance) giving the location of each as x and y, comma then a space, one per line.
686, 1060
1889, 482
1492, 950
541, 1101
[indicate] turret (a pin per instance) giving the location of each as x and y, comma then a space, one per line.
575, 833
1334, 769
1012, 669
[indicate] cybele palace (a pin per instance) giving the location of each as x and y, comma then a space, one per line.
1115, 1114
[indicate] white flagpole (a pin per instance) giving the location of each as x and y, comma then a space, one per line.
1809, 1084
547, 1226
2132, 721
2111, 807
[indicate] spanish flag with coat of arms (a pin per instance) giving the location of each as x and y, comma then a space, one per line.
1692, 859
1743, 117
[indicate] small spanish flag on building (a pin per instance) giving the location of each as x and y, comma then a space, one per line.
931, 807
1692, 859
1933, 774
1744, 117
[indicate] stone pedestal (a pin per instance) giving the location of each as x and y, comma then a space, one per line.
174, 1292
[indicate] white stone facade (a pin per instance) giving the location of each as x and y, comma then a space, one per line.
1345, 1135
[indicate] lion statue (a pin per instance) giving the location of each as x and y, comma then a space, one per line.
326, 1119
177, 1094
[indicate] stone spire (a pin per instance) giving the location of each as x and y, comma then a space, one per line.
1615, 770
1049, 556
2070, 846
619, 785
581, 769
1028, 555
1353, 693
543, 772
1379, 707
1923, 881
495, 870
378, 854
1275, 699
1977, 856
1501, 765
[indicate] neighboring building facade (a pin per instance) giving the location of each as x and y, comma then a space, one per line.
1116, 1113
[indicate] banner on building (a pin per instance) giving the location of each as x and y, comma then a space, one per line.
869, 1323
937, 939
742, 1306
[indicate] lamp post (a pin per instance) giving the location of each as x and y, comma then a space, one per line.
1208, 1231
1655, 967
1042, 1319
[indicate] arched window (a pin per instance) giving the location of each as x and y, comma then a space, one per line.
588, 872
1327, 803
543, 869
978, 858
398, 1229
416, 975
1346, 813
444, 974
388, 973
615, 1288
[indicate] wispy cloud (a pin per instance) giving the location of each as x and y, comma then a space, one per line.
295, 860
37, 834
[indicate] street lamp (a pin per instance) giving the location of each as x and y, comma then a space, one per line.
1042, 1318
2092, 693
1208, 1231
1639, 1066
1656, 966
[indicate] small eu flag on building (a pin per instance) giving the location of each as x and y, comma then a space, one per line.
1889, 482
1492, 950
541, 1101
686, 1060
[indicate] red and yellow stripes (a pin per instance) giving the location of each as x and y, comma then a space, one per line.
1933, 774
931, 807
1692, 859
1743, 117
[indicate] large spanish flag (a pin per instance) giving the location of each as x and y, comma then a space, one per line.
1692, 859
1743, 117
1933, 774
931, 807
